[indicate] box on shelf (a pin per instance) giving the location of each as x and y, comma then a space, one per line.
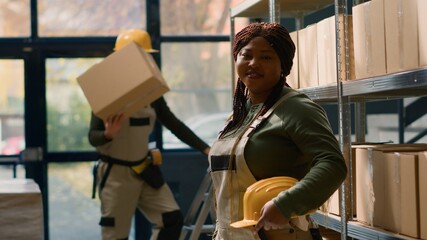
386, 186
326, 47
422, 181
334, 200
369, 186
21, 210
401, 206
293, 78
422, 31
125, 81
326, 51
401, 34
369, 39
308, 76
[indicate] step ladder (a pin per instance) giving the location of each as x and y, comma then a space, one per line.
200, 208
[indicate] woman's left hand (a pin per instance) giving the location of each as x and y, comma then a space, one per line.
271, 218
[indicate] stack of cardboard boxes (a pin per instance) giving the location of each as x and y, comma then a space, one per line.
384, 36
390, 186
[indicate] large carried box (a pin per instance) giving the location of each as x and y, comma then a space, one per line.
21, 210
125, 81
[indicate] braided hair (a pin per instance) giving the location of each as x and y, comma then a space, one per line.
280, 40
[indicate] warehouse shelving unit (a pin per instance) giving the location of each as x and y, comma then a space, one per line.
391, 86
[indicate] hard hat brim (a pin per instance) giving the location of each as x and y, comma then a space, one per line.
152, 50
244, 223
247, 223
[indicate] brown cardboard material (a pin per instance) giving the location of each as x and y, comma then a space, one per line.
401, 34
125, 81
334, 200
400, 193
293, 78
326, 47
21, 210
308, 76
422, 31
369, 39
326, 55
370, 187
422, 187
387, 185
393, 147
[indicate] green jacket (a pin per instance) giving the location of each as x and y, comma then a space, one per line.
296, 141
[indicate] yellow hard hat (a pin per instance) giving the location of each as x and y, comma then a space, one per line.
140, 37
258, 194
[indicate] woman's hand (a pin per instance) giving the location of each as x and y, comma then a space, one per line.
271, 218
112, 125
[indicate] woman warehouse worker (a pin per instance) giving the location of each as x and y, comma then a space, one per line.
273, 131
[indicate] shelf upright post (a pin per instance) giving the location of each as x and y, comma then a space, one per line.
341, 22
274, 9
360, 121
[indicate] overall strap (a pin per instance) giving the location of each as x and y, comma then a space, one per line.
259, 119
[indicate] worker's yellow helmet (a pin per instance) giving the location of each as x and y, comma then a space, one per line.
140, 37
258, 194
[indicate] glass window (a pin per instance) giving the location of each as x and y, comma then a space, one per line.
199, 75
15, 18
68, 112
12, 139
191, 17
73, 214
89, 17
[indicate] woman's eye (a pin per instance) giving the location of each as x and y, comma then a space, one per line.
245, 55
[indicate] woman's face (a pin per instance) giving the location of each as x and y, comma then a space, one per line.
258, 67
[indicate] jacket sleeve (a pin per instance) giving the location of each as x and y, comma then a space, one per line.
96, 131
176, 126
310, 130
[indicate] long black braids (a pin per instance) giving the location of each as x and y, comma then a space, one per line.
280, 40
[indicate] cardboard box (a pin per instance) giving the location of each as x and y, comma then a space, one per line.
21, 210
369, 39
401, 34
326, 47
307, 38
293, 77
422, 187
372, 162
401, 204
334, 200
369, 186
125, 81
422, 31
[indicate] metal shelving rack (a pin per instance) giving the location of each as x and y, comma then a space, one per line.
391, 86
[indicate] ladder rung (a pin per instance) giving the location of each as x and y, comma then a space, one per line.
197, 214
205, 228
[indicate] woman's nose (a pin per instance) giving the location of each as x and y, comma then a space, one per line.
253, 62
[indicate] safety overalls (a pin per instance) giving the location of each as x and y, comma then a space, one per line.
124, 191
230, 187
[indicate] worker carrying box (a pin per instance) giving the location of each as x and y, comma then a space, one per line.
126, 80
